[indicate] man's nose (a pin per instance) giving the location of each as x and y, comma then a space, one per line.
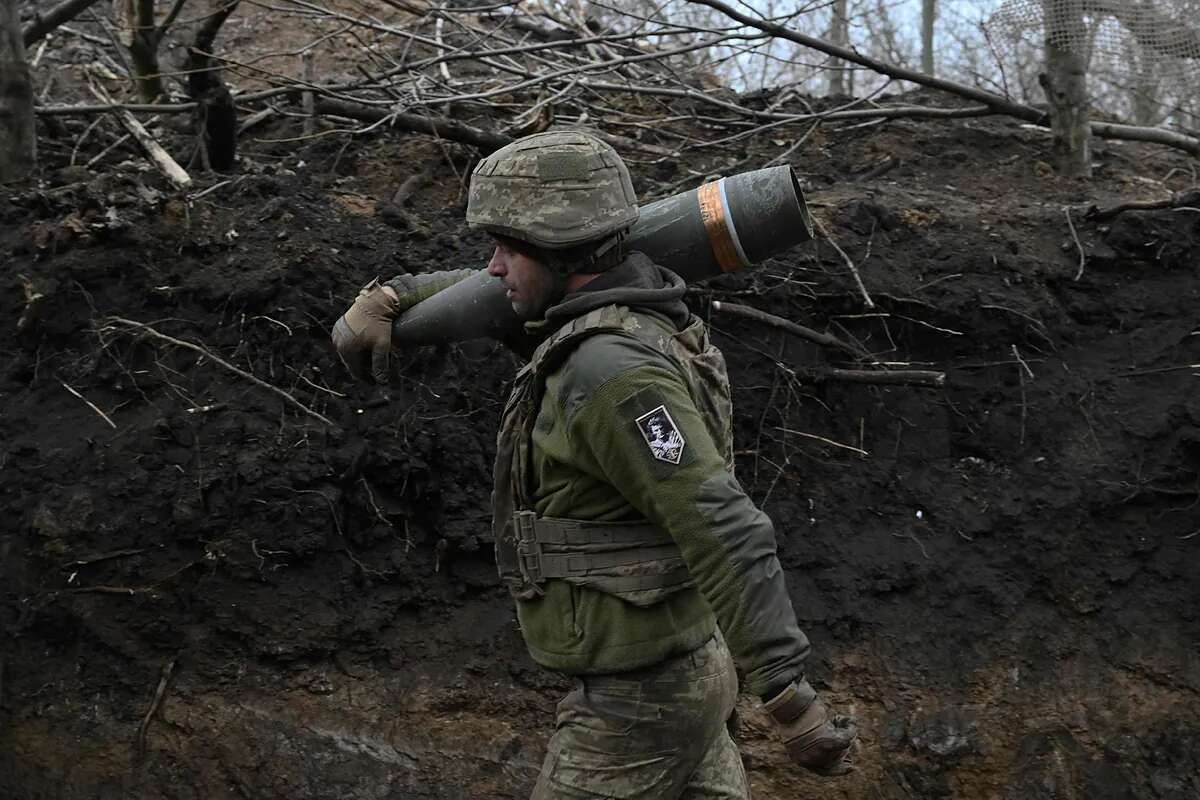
496, 267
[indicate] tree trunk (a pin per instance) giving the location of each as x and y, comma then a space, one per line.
928, 12
1145, 87
1065, 84
216, 114
18, 145
839, 34
142, 37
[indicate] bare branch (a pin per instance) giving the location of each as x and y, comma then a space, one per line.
823, 339
159, 692
883, 376
434, 126
899, 377
204, 351
44, 23
89, 403
108, 108
1178, 200
162, 29
858, 450
1078, 246
858, 281
154, 151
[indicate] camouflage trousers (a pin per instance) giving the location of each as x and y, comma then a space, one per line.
654, 733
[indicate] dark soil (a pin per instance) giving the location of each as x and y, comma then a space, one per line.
1005, 590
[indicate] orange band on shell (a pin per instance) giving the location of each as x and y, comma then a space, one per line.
712, 214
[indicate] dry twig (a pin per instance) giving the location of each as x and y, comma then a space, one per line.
920, 544
90, 404
1021, 372
824, 339
257, 118
1178, 200
881, 377
168, 166
124, 590
122, 140
867, 301
895, 377
1157, 370
1078, 246
159, 693
80, 562
33, 301
204, 351
851, 448
374, 505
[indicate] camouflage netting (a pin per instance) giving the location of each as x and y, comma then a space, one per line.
1135, 39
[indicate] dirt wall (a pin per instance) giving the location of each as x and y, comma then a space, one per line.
1004, 588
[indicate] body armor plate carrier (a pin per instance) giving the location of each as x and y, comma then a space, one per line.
638, 562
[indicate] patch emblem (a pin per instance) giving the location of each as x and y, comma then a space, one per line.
658, 429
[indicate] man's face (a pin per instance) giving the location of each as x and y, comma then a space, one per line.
531, 286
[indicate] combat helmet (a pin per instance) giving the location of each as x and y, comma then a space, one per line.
566, 193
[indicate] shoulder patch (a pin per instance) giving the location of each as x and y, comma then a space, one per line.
662, 436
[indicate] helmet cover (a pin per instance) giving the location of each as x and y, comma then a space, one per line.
555, 190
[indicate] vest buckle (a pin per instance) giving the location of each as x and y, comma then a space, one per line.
529, 550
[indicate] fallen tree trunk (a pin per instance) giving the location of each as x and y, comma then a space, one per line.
443, 127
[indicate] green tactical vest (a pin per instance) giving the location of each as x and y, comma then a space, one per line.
638, 562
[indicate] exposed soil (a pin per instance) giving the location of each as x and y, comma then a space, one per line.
1005, 590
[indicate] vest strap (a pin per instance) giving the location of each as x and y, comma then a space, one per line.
553, 547
634, 561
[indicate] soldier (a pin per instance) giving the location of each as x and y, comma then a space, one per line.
632, 552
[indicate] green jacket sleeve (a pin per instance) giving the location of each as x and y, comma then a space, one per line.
629, 414
412, 289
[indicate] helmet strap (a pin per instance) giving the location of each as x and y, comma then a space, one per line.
608, 254
600, 258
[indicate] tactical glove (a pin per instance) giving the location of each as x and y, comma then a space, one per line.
363, 335
814, 740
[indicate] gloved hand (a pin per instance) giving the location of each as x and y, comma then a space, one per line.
814, 740
363, 335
